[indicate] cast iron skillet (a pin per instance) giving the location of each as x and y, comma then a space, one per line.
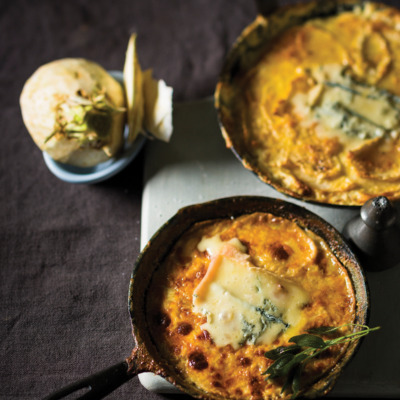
248, 48
145, 356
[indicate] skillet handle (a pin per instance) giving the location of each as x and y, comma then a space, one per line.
98, 385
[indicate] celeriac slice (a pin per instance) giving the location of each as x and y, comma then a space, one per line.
133, 82
157, 107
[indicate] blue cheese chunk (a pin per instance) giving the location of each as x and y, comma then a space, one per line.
245, 304
343, 105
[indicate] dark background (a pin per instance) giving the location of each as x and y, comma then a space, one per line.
67, 251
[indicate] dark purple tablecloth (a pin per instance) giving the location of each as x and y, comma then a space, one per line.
67, 251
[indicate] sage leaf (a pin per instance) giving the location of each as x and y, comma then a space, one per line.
289, 361
276, 353
294, 362
277, 368
288, 382
296, 384
307, 340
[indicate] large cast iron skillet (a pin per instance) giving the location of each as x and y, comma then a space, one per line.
146, 357
250, 46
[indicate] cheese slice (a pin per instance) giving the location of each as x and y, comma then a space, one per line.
244, 304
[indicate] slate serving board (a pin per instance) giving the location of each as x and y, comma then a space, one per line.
196, 167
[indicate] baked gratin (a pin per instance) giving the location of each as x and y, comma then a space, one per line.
309, 99
231, 289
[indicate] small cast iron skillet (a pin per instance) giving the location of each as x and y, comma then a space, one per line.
146, 357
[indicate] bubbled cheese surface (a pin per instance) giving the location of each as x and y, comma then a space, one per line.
232, 289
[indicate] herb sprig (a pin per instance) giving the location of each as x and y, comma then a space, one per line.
289, 361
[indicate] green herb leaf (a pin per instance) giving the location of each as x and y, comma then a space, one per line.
293, 363
276, 353
289, 361
275, 370
307, 340
289, 381
296, 383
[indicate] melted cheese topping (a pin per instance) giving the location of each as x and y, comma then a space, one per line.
216, 277
245, 304
320, 112
338, 106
